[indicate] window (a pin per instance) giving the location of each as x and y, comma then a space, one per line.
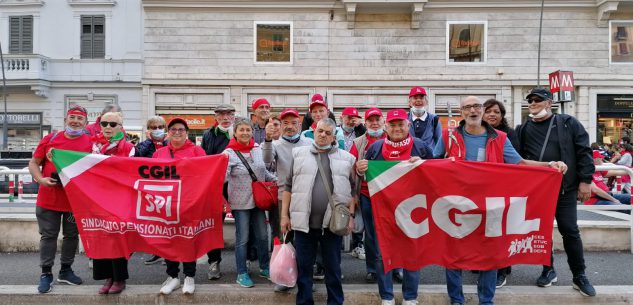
466, 42
621, 41
21, 35
273, 42
92, 36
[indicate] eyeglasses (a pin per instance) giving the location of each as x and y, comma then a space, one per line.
177, 130
473, 106
112, 124
156, 127
225, 114
534, 100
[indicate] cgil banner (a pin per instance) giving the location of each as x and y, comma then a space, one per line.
461, 214
171, 208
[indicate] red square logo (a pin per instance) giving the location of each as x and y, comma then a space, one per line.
158, 200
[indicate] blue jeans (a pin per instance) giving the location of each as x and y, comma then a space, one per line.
410, 279
622, 198
370, 238
306, 247
243, 219
485, 287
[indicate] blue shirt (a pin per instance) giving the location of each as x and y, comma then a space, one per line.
476, 149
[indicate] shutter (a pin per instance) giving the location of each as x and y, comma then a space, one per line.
98, 37
27, 35
14, 34
86, 36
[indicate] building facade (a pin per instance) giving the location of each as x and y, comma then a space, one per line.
60, 53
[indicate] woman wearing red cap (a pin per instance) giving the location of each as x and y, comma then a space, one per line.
179, 147
111, 141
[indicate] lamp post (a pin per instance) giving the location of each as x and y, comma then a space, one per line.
4, 97
540, 31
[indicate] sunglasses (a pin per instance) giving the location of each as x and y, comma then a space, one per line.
112, 124
534, 100
156, 127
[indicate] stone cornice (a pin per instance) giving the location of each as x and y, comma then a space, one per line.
24, 3
283, 4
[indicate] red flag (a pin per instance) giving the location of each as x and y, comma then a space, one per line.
171, 208
462, 215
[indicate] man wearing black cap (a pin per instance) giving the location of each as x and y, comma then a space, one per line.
553, 137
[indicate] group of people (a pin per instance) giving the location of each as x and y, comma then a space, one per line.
314, 166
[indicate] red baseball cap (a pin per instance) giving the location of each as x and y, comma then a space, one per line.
287, 112
397, 114
597, 155
178, 120
417, 91
317, 100
351, 111
260, 101
372, 111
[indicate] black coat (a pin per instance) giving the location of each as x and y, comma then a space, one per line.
214, 141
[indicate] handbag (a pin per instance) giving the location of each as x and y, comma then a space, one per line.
265, 194
340, 215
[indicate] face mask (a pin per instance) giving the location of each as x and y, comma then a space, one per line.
375, 133
540, 115
347, 129
293, 138
72, 132
418, 110
325, 147
228, 130
158, 134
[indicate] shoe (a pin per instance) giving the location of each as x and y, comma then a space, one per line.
117, 287
456, 304
244, 280
169, 285
265, 273
68, 276
501, 280
547, 278
282, 288
214, 271
46, 283
355, 252
371, 278
581, 283
361, 252
189, 286
410, 302
319, 274
388, 302
397, 276
106, 287
154, 260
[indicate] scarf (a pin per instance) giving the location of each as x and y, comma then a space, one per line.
103, 146
237, 146
393, 151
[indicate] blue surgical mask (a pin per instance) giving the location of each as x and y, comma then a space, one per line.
73, 132
158, 134
291, 139
325, 147
418, 110
347, 129
375, 133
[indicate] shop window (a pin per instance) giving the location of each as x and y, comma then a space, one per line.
615, 117
621, 41
466, 42
273, 42
92, 36
21, 34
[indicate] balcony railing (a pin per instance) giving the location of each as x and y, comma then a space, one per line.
25, 66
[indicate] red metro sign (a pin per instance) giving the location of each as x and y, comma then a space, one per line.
561, 84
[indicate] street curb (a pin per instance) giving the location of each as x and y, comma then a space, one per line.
262, 294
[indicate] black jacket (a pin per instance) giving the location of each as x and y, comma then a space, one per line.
146, 149
307, 120
214, 141
574, 150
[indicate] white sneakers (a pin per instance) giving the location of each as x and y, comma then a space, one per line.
189, 286
170, 285
358, 252
388, 302
393, 302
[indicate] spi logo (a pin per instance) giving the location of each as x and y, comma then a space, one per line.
158, 200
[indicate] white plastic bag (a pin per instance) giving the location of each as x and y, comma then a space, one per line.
283, 264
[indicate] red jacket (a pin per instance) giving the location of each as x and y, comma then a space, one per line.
188, 150
494, 144
122, 149
94, 128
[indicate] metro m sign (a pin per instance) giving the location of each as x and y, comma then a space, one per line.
561, 84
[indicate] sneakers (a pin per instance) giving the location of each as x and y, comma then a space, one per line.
547, 278
154, 260
244, 280
189, 286
410, 302
169, 285
46, 283
388, 302
581, 283
117, 287
214, 271
501, 280
68, 276
371, 278
265, 273
319, 274
106, 287
282, 288
358, 252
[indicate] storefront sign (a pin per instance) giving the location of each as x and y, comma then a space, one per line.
22, 118
615, 103
195, 121
561, 84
